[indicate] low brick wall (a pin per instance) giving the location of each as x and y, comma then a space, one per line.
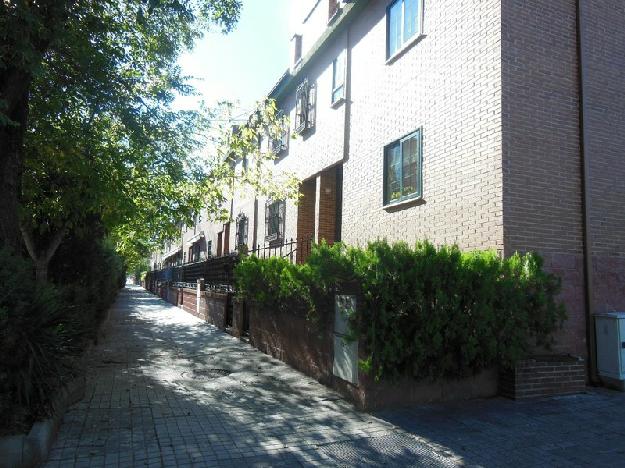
309, 348
543, 376
238, 308
189, 302
173, 295
294, 340
216, 304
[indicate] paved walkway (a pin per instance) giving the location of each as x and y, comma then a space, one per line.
166, 389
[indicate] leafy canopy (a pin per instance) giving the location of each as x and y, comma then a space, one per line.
103, 141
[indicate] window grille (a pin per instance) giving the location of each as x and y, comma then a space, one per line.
242, 228
305, 106
280, 144
274, 220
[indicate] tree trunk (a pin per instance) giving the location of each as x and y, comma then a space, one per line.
14, 89
41, 271
42, 257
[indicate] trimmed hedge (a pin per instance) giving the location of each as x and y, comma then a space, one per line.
425, 311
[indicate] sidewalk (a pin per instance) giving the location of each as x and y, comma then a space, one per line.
166, 389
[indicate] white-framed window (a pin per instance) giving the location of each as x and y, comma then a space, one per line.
404, 22
338, 77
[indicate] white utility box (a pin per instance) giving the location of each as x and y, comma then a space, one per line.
610, 333
345, 352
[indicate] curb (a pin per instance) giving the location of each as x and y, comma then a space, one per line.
32, 449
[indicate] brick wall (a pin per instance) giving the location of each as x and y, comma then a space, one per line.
216, 307
189, 301
541, 158
541, 377
604, 40
542, 163
448, 84
326, 215
309, 347
306, 209
294, 340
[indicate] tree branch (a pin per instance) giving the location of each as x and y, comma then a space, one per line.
54, 244
30, 244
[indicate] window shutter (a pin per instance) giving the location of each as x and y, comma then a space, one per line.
312, 106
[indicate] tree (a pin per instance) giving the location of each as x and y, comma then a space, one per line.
110, 55
138, 175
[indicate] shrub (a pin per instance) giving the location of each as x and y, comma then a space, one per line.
44, 328
36, 338
424, 311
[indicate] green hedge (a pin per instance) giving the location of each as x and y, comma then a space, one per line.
425, 311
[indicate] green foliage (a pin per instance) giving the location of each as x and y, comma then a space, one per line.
35, 337
277, 284
43, 329
424, 311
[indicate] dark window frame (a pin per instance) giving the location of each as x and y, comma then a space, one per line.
305, 106
418, 193
281, 144
275, 209
242, 224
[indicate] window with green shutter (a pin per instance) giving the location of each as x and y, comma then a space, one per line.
402, 168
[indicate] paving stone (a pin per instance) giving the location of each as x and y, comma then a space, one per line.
166, 389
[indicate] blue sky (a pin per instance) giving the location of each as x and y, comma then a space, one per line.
245, 64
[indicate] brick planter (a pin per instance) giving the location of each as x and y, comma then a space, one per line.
542, 376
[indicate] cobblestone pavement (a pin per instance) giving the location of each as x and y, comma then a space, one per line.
166, 389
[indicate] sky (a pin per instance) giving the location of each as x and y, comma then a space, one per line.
244, 65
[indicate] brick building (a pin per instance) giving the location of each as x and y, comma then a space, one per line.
496, 124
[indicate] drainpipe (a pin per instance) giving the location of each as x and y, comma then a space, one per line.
348, 94
586, 197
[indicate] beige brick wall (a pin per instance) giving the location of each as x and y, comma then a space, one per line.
448, 84
320, 148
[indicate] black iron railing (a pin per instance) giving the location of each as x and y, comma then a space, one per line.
218, 272
296, 250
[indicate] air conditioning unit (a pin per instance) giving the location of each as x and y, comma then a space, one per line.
610, 333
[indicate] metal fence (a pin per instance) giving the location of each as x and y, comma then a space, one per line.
218, 272
296, 250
